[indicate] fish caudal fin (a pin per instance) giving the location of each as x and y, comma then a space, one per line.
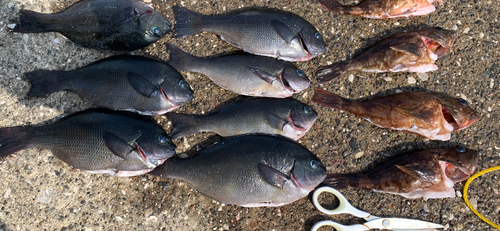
326, 74
12, 140
329, 99
187, 22
340, 181
183, 125
32, 22
179, 59
44, 82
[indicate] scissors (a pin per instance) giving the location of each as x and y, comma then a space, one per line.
373, 221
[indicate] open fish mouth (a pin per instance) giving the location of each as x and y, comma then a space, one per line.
286, 84
145, 158
436, 49
295, 126
303, 44
174, 106
456, 123
455, 173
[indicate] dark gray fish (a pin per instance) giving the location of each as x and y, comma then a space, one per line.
286, 117
97, 141
120, 25
244, 74
249, 170
125, 82
267, 32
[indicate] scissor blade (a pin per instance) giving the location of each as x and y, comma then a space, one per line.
401, 224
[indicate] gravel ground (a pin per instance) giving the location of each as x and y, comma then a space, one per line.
40, 192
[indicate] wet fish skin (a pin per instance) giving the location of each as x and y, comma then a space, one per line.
244, 74
97, 141
382, 9
249, 170
124, 82
119, 25
432, 115
427, 173
266, 32
286, 117
415, 51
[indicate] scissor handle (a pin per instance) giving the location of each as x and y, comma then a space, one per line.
344, 205
338, 227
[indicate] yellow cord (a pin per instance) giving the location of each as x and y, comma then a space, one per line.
466, 187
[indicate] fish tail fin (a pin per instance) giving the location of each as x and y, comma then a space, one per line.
326, 74
13, 139
335, 7
183, 125
187, 22
340, 181
329, 99
179, 59
32, 22
44, 82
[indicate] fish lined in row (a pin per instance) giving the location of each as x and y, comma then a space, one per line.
97, 141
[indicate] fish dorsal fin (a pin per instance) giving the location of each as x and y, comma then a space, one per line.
264, 75
275, 121
424, 114
409, 48
141, 85
122, 16
272, 176
283, 30
423, 172
116, 145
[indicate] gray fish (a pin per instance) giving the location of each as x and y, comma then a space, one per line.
97, 141
120, 25
125, 82
249, 170
267, 32
286, 117
244, 74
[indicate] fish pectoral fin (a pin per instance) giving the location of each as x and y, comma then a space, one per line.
124, 15
283, 30
272, 176
422, 114
275, 121
264, 75
116, 145
141, 85
425, 173
409, 48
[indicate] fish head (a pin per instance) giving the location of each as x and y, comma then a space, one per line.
460, 163
155, 147
312, 41
457, 112
438, 40
302, 117
308, 172
154, 25
176, 91
294, 80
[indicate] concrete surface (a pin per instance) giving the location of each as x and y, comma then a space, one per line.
39, 192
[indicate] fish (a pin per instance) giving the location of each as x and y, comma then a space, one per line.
286, 117
249, 171
429, 114
244, 74
429, 173
265, 32
118, 25
382, 9
97, 141
124, 82
415, 51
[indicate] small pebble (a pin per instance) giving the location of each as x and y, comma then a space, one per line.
56, 40
6, 194
388, 79
411, 80
11, 26
473, 202
423, 76
46, 196
359, 155
459, 194
466, 30
351, 78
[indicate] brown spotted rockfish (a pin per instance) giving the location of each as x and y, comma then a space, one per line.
427, 173
380, 9
415, 51
433, 115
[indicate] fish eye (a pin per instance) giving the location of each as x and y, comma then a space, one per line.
162, 139
155, 30
300, 72
460, 149
463, 102
317, 35
314, 164
183, 84
307, 109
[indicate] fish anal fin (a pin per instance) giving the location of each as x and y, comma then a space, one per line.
116, 145
283, 30
272, 176
141, 85
410, 48
269, 78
